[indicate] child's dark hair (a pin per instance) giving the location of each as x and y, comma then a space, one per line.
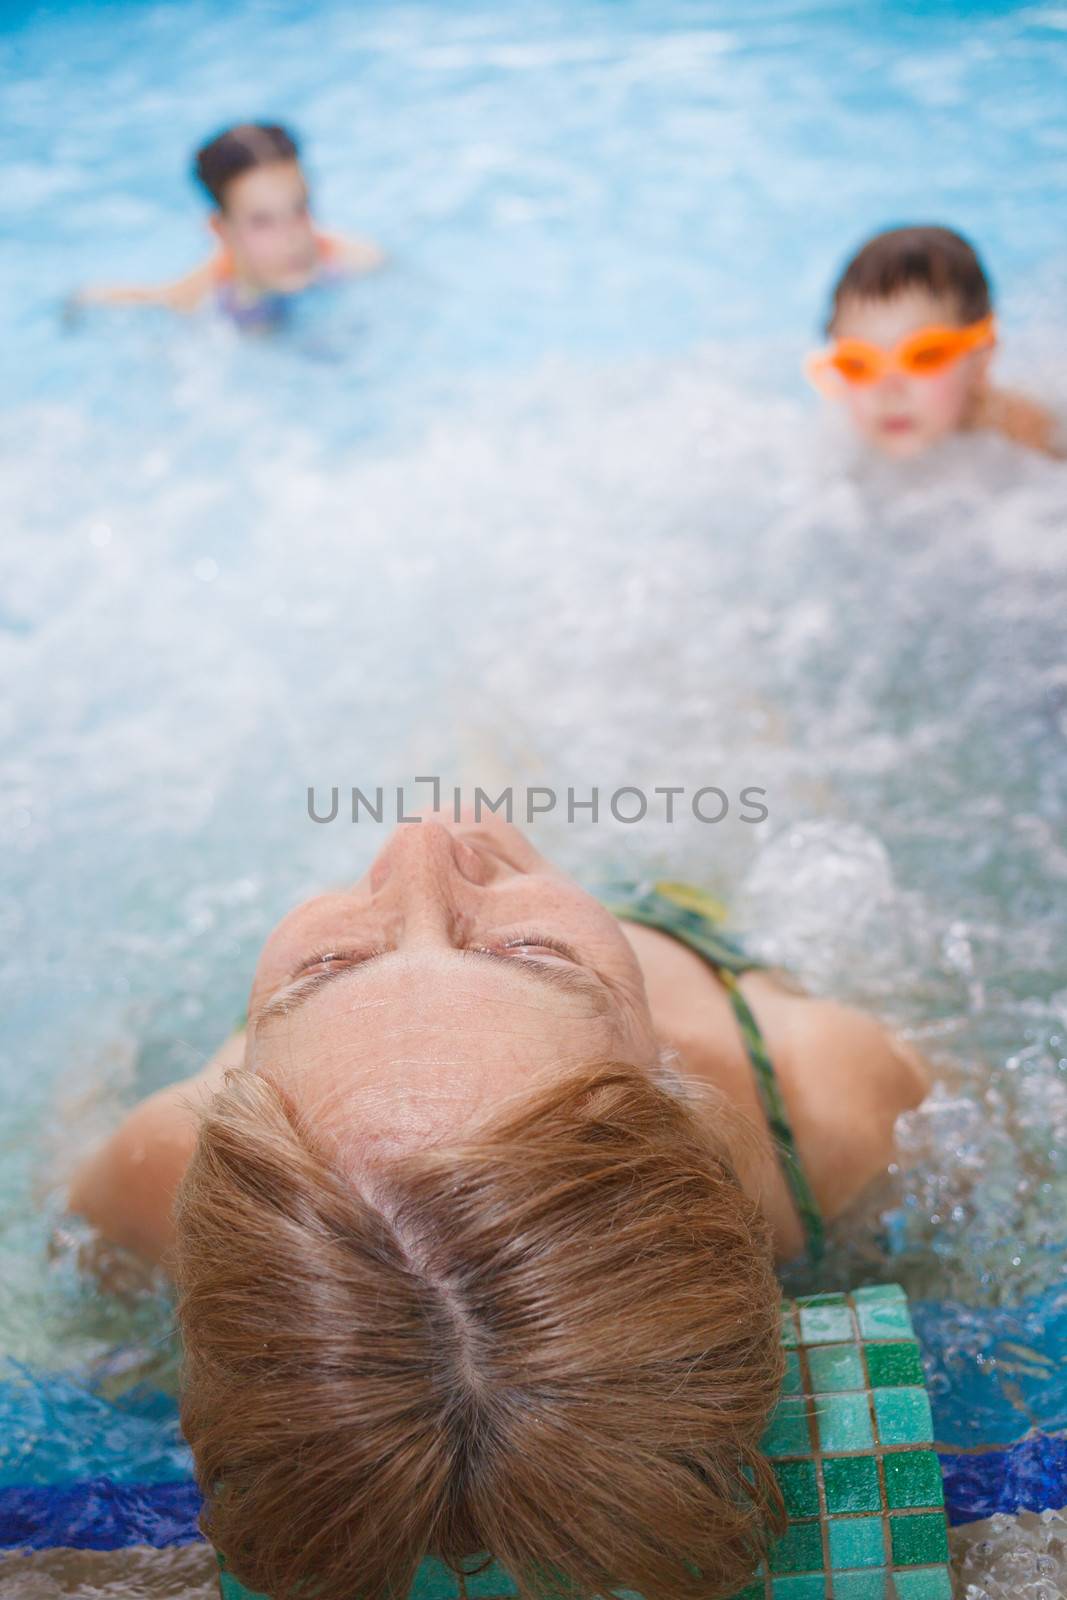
237, 150
929, 258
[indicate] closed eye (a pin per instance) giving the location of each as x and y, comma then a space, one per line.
532, 941
330, 965
329, 958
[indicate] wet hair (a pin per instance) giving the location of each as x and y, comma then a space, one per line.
931, 258
238, 150
553, 1343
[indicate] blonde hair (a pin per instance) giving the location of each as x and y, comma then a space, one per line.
555, 1343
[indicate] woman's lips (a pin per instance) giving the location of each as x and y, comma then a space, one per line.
896, 425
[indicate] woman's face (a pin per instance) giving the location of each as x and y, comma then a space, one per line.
460, 969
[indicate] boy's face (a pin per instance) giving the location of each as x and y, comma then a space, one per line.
266, 225
900, 413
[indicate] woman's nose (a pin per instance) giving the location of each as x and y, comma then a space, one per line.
423, 868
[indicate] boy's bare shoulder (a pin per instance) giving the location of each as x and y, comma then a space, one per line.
354, 253
1023, 420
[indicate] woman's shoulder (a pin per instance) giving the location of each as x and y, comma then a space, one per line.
126, 1186
848, 1078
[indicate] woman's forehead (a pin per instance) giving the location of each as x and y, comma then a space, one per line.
410, 1051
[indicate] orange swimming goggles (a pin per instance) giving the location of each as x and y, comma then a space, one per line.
921, 354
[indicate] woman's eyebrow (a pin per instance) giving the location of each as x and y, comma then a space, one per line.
569, 979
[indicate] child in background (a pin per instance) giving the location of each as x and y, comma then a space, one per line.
269, 247
913, 334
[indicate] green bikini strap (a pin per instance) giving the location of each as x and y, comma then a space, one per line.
770, 1093
692, 917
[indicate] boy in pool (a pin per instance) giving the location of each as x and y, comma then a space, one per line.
269, 247
913, 333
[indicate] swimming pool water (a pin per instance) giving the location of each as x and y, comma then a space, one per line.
543, 503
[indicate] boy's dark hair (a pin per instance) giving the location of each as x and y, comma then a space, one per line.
916, 258
237, 150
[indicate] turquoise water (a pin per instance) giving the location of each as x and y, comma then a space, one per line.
545, 502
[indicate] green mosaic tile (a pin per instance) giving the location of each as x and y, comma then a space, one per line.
851, 1484
862, 1586
885, 1319
924, 1583
788, 1433
855, 1536
825, 1324
434, 1581
903, 1416
809, 1587
918, 1540
844, 1421
913, 1478
835, 1367
798, 1550
800, 1487
876, 1292
494, 1580
856, 1542
891, 1365
230, 1589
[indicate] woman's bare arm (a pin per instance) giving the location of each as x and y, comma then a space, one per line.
850, 1078
126, 1187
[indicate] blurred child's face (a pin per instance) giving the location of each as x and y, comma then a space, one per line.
266, 225
903, 414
